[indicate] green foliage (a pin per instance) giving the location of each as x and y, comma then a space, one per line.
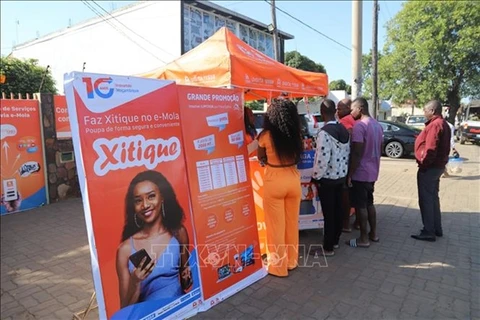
432, 52
254, 105
24, 76
298, 61
367, 84
340, 85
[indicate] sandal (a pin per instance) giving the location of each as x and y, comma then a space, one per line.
354, 243
376, 239
328, 253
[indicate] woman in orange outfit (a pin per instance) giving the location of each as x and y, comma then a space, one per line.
280, 146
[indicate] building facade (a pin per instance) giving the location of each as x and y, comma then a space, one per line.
142, 37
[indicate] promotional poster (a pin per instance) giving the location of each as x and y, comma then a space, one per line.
62, 122
21, 157
311, 216
221, 191
131, 165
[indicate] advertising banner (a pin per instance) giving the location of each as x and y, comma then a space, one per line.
221, 191
203, 24
219, 22
208, 25
128, 143
311, 216
186, 30
62, 123
195, 27
21, 157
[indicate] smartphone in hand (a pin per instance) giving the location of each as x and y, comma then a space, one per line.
137, 257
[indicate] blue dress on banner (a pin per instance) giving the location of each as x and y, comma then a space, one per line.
162, 286
164, 281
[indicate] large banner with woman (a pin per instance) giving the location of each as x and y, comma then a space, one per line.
129, 151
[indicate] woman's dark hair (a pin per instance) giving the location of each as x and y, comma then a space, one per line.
282, 121
249, 127
173, 211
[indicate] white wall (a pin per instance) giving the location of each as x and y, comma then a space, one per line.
106, 50
337, 95
406, 110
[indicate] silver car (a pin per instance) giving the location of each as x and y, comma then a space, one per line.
304, 124
416, 121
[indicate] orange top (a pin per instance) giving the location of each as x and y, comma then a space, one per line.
265, 141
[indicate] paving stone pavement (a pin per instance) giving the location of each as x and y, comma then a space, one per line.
46, 272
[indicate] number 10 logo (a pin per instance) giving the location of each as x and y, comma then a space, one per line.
96, 88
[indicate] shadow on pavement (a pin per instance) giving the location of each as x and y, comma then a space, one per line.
46, 271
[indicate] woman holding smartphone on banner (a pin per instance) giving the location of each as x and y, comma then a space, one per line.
152, 260
280, 146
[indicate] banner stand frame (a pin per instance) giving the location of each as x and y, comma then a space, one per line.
83, 314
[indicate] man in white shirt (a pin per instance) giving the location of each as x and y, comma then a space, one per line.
330, 170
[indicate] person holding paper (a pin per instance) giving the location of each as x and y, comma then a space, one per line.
280, 147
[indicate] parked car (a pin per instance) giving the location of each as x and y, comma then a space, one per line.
469, 129
416, 121
315, 122
259, 116
401, 119
398, 138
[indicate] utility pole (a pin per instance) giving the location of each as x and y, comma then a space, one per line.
43, 79
17, 23
356, 48
375, 59
275, 32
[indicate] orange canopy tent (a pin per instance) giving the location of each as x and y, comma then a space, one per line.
224, 60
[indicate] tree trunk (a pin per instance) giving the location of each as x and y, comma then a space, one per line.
453, 99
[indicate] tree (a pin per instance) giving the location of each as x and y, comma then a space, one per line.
367, 82
340, 85
254, 105
24, 76
367, 75
298, 61
433, 52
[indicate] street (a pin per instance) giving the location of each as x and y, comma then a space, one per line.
46, 270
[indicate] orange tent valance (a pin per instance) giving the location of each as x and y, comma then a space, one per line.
224, 60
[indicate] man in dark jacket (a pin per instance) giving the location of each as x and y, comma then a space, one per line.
344, 107
330, 169
432, 148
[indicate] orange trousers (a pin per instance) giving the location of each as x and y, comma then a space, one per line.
281, 203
